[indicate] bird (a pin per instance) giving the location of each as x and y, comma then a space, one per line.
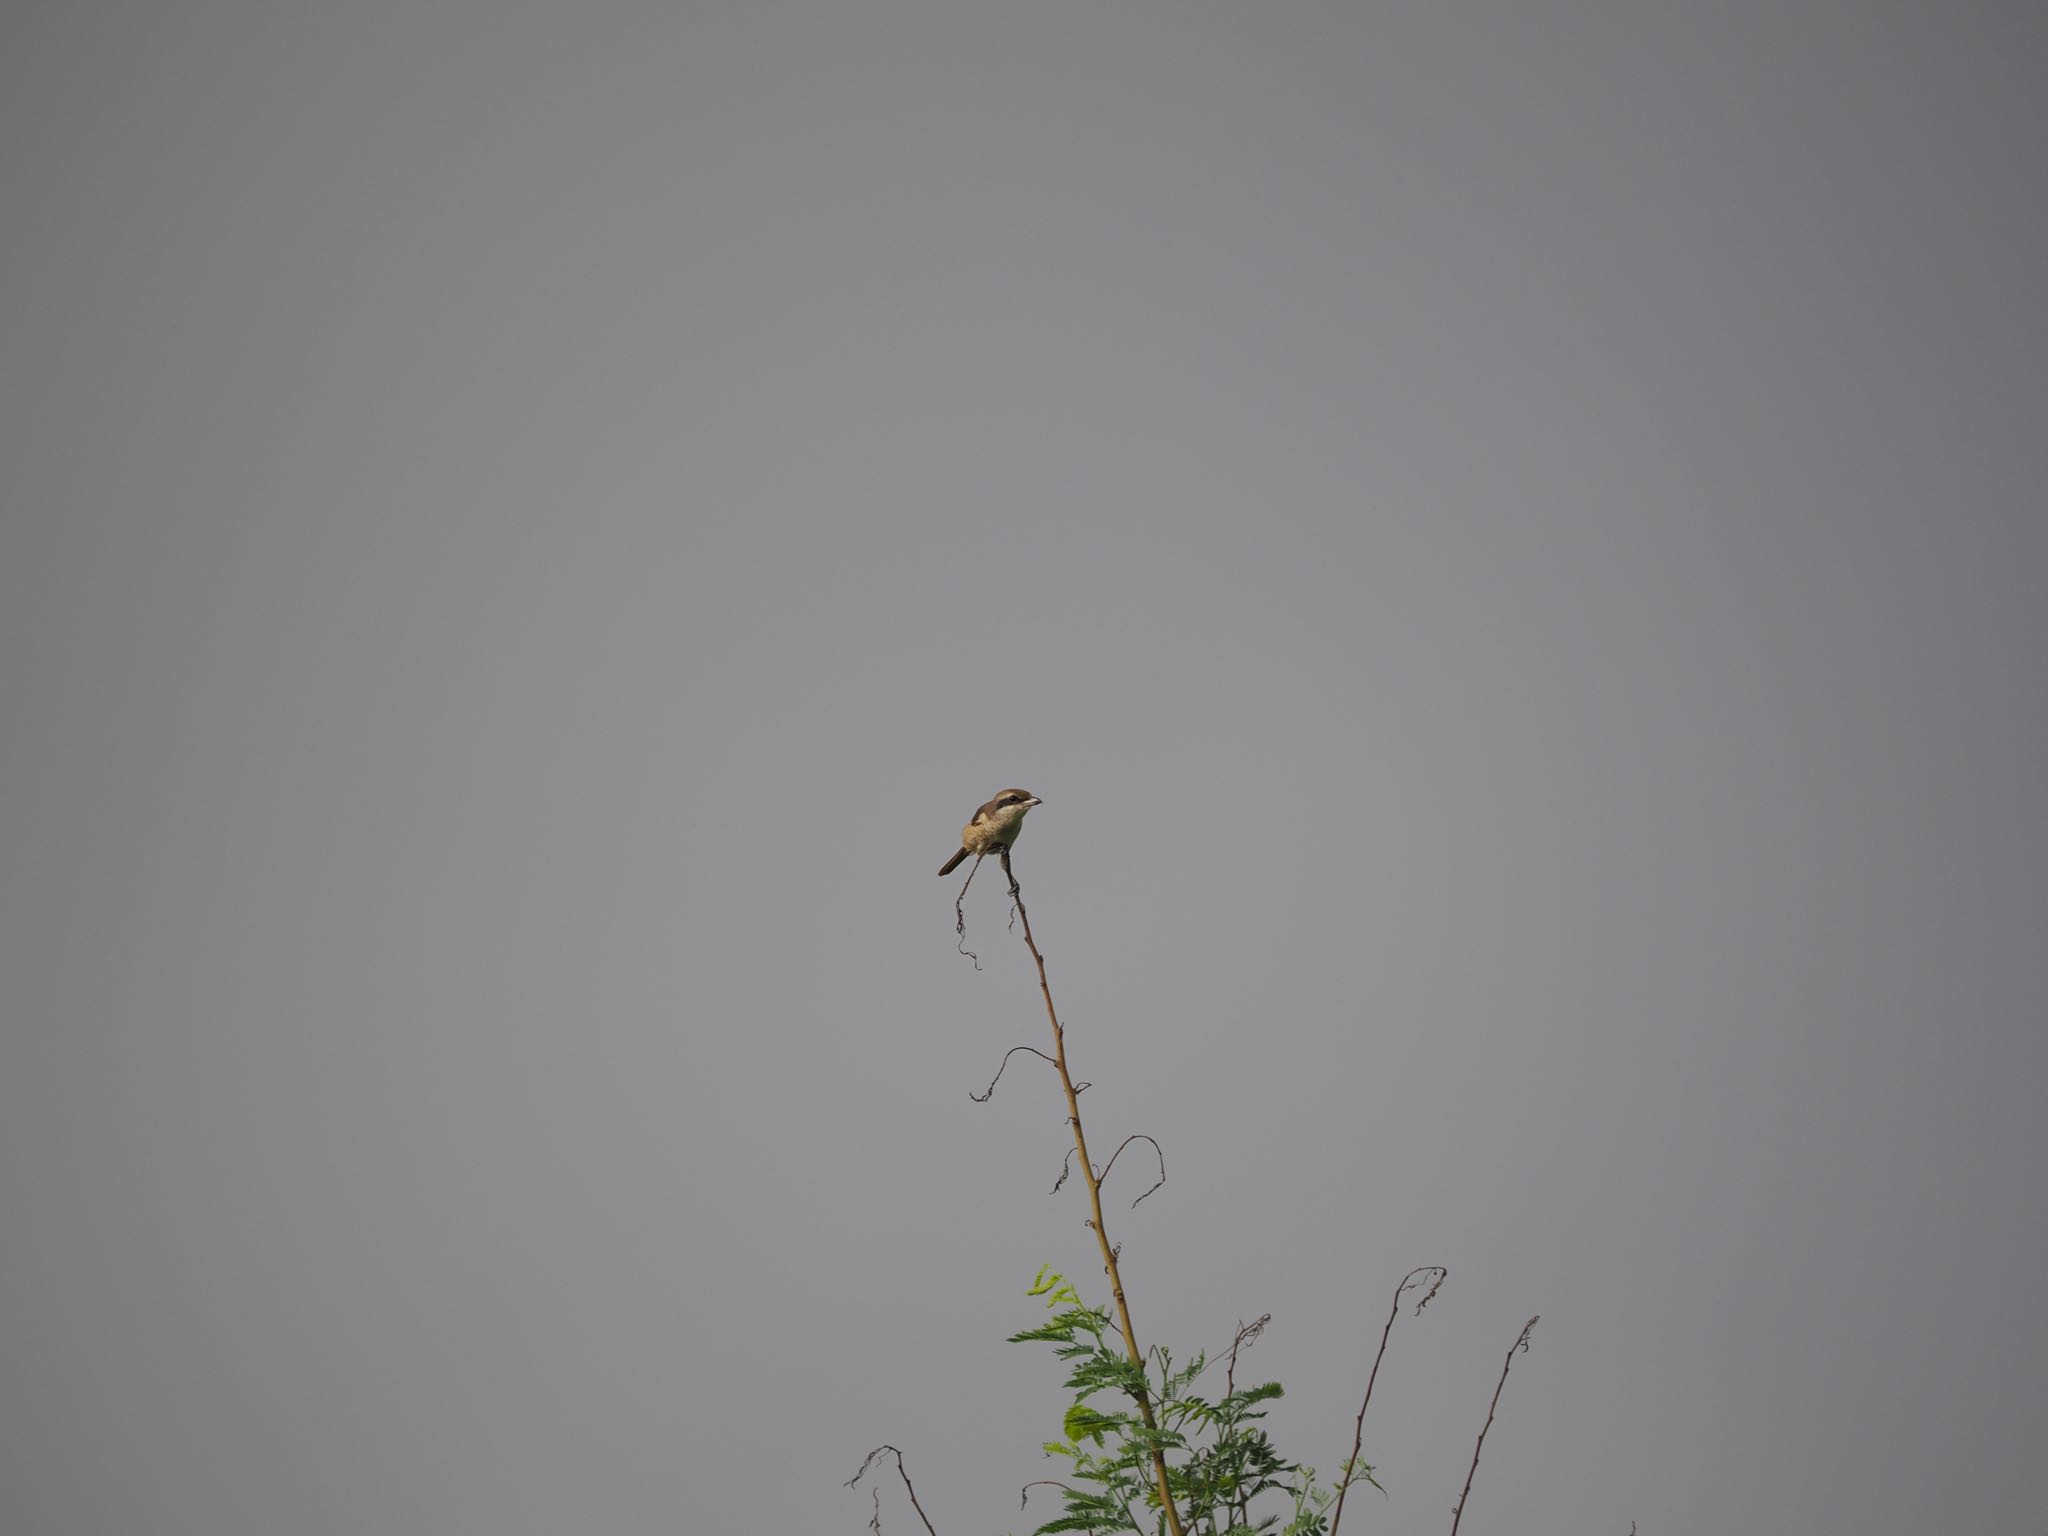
994, 826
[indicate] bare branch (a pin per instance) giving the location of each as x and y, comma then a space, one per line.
983, 1098
1247, 1335
1143, 1398
1521, 1346
960, 912
901, 1471
1066, 1167
1024, 1493
1119, 1152
1431, 1277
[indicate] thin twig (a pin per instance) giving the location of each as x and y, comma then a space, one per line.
960, 912
1119, 1152
1088, 1177
902, 1472
1024, 1493
1432, 1276
983, 1098
1521, 1345
1247, 1335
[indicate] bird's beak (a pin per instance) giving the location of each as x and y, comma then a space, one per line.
1036, 801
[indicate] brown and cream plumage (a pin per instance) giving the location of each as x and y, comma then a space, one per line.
993, 827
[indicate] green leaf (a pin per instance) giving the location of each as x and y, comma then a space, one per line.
1084, 1423
1051, 1283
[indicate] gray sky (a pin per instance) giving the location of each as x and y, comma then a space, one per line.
1510, 539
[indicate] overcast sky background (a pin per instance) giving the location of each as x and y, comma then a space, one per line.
1510, 539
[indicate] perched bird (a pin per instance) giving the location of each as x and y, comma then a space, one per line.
994, 827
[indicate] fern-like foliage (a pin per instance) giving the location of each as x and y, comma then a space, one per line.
1226, 1476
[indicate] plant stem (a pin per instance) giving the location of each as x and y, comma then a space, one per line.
1520, 1345
1109, 1265
1435, 1275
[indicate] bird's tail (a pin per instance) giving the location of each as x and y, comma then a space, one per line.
953, 863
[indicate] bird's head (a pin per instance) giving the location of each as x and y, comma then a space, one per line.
1009, 806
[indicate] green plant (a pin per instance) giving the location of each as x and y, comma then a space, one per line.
1144, 1451
1220, 1461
